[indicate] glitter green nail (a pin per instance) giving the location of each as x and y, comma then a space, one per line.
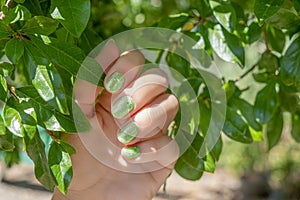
131, 152
122, 107
115, 82
128, 133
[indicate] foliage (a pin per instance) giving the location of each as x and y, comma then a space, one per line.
37, 81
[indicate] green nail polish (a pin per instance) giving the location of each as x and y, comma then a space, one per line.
122, 107
131, 152
115, 82
128, 133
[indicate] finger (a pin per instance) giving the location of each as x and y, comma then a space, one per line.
155, 118
139, 93
162, 150
124, 71
85, 92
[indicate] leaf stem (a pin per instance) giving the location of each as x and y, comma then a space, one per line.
11, 90
247, 72
51, 134
266, 40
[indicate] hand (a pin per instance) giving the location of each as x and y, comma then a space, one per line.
127, 154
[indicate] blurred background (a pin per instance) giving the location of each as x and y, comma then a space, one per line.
244, 171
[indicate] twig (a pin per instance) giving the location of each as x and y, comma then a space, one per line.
9, 3
247, 72
51, 134
11, 90
266, 40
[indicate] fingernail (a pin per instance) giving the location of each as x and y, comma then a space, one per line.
115, 82
131, 152
128, 133
122, 107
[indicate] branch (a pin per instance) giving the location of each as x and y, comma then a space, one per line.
11, 90
9, 3
51, 134
247, 72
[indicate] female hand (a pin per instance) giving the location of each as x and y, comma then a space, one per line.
127, 154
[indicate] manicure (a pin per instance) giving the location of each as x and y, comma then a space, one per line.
122, 107
115, 82
131, 152
128, 133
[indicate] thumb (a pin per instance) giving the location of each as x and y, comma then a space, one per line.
86, 92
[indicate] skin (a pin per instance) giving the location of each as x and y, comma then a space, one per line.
153, 112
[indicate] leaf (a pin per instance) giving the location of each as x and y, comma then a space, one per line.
34, 7
13, 121
235, 45
6, 68
217, 150
61, 54
19, 1
276, 38
18, 13
54, 120
5, 32
269, 62
14, 50
220, 46
61, 166
296, 126
174, 21
3, 89
284, 19
7, 142
190, 165
2, 126
178, 63
89, 40
72, 14
264, 9
265, 103
43, 84
65, 36
297, 5
235, 127
40, 25
253, 33
290, 65
225, 14
274, 129
35, 149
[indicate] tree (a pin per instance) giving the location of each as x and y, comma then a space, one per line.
37, 82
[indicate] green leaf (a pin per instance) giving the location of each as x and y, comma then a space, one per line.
19, 1
235, 45
5, 32
89, 40
35, 149
290, 65
13, 121
265, 103
34, 7
285, 18
6, 68
18, 13
40, 25
7, 142
178, 63
296, 126
253, 33
54, 120
2, 126
247, 111
3, 89
225, 14
14, 50
61, 166
276, 38
61, 54
297, 5
235, 127
274, 129
63, 35
269, 61
190, 165
42, 83
262, 77
264, 9
217, 150
220, 46
72, 14
174, 21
